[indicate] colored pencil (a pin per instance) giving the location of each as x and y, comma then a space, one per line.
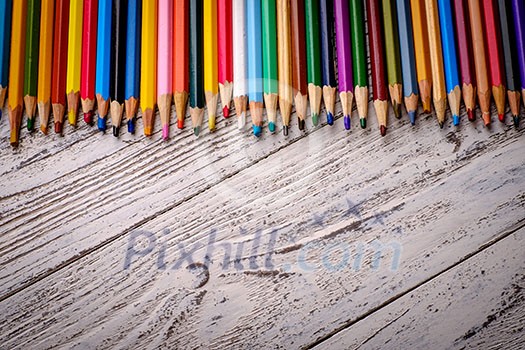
379, 84
344, 59
164, 64
59, 79
450, 59
180, 59
465, 56
224, 48
211, 79
393, 60
31, 61
240, 98
436, 59
89, 59
408, 59
103, 68
254, 55
132, 79
45, 62
148, 72
299, 75
74, 59
5, 41
494, 54
270, 67
313, 58
424, 74
197, 100
326, 25
118, 64
359, 58
480, 58
16, 70
284, 56
518, 10
508, 40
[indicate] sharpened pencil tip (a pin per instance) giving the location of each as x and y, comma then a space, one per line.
0, 113
383, 130
455, 120
330, 118
196, 130
285, 130
257, 130
362, 121
180, 123
516, 120
226, 111
43, 128
315, 119
271, 127
347, 122
148, 131
471, 115
165, 132
301, 124
501, 118
30, 124
116, 131
14, 144
412, 115
88, 117
131, 125
441, 124
72, 118
101, 123
397, 110
58, 127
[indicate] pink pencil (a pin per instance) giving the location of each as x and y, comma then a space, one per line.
164, 63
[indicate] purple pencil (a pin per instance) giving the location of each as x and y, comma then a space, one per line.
344, 58
518, 9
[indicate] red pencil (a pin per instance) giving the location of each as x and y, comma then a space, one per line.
225, 47
377, 63
89, 59
493, 40
58, 87
299, 75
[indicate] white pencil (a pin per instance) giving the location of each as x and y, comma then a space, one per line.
239, 61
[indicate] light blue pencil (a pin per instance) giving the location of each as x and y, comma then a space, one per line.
255, 64
102, 82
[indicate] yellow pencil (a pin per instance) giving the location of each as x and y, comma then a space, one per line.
211, 79
424, 75
148, 81
284, 63
45, 62
16, 69
74, 59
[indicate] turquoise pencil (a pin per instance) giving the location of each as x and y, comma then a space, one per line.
255, 64
102, 82
450, 59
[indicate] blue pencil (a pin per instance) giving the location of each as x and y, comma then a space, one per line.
132, 88
408, 59
102, 82
450, 61
326, 23
255, 64
6, 7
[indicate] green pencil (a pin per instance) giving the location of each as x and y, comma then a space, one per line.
393, 60
313, 58
359, 60
31, 61
270, 68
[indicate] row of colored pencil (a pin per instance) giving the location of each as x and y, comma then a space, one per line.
111, 55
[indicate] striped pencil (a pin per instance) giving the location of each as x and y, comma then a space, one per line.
450, 60
45, 63
359, 59
299, 75
224, 48
118, 64
494, 55
326, 24
254, 53
284, 56
74, 59
344, 59
180, 59
164, 63
480, 59
59, 79
89, 59
270, 67
379, 85
16, 70
31, 61
465, 57
393, 60
103, 66
197, 100
211, 79
5, 40
408, 59
313, 58
424, 74
148, 68
240, 99
518, 10
508, 40
132, 78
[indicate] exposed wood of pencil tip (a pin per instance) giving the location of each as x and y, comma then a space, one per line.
116, 112
30, 105
44, 110
440, 105
88, 105
425, 88
469, 96
58, 112
131, 106
499, 98
3, 91
411, 102
148, 118
361, 101
225, 91
484, 104
347, 101
329, 94
15, 120
454, 100
196, 115
285, 107
73, 99
164, 103
240, 103
180, 99
102, 105
256, 112
271, 100
301, 102
514, 102
211, 104
396, 95
315, 93
381, 108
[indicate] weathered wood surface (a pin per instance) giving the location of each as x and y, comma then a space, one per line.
73, 210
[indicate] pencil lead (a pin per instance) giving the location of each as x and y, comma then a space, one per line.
88, 117
412, 116
72, 118
455, 119
43, 128
226, 112
315, 119
301, 124
383, 130
58, 127
362, 121
101, 123
30, 124
330, 118
271, 127
180, 123
165, 132
501, 117
441, 124
397, 110
516, 119
347, 122
131, 125
285, 130
116, 130
196, 130
257, 130
471, 115
0, 113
